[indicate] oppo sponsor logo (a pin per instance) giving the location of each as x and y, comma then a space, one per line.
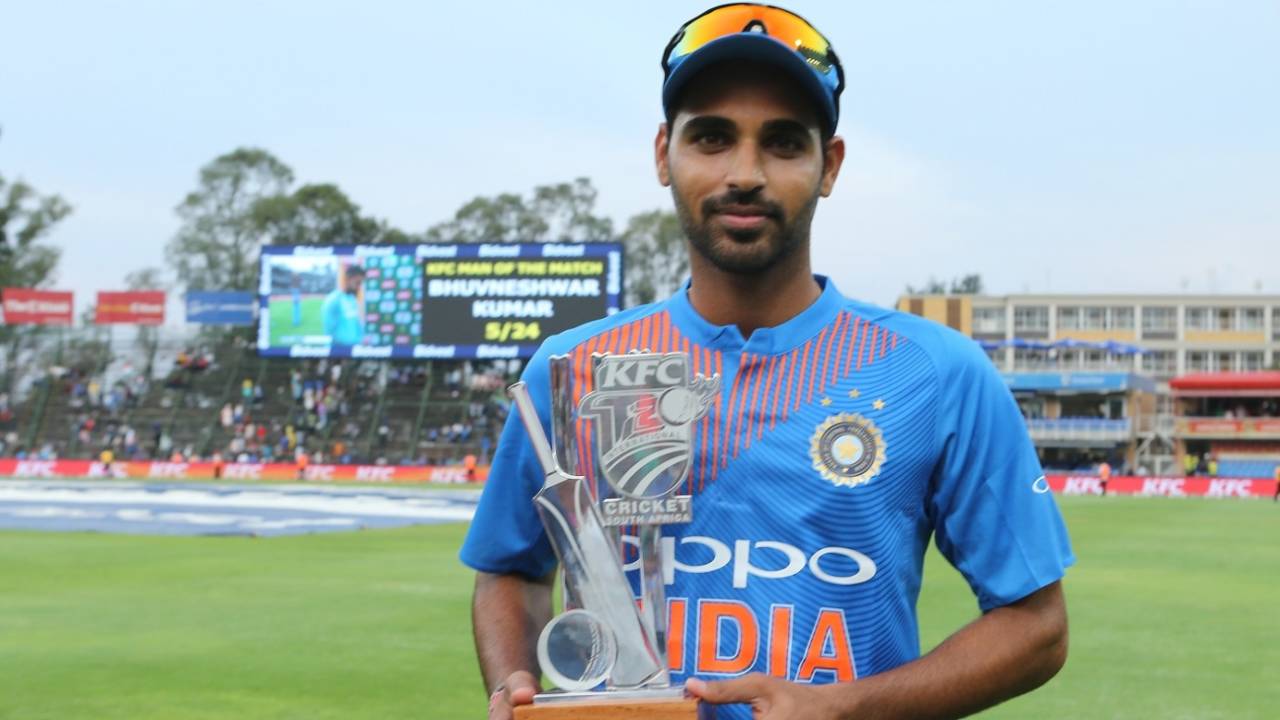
763, 559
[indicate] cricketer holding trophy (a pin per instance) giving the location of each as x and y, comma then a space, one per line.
818, 442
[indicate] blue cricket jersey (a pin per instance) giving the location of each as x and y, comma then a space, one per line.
340, 312
841, 441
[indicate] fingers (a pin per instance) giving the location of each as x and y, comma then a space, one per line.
519, 689
745, 689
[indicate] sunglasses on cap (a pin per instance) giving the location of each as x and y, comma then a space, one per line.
782, 25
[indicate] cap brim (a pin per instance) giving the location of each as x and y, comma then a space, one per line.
758, 48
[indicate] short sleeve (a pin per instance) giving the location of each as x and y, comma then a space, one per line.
506, 535
994, 517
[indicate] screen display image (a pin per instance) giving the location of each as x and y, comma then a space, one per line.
431, 300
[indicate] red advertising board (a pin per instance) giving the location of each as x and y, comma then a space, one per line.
156, 470
132, 307
1211, 487
1267, 426
1215, 426
37, 307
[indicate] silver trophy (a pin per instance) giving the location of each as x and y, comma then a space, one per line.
642, 408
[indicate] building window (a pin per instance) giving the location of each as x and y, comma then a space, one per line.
1160, 363
1197, 361
996, 356
1032, 319
1026, 359
1068, 318
1225, 319
1250, 319
1095, 318
1223, 362
1198, 318
1122, 318
1159, 319
1251, 361
989, 320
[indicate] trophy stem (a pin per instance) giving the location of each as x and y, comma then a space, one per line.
653, 608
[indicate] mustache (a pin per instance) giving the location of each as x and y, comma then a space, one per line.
742, 202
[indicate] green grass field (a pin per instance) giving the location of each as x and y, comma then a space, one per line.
283, 331
1175, 612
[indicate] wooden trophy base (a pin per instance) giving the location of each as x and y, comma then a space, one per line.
677, 709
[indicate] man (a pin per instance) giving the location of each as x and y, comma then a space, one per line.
343, 318
844, 436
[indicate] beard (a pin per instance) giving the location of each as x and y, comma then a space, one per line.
745, 251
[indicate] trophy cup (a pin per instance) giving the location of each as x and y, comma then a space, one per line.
605, 653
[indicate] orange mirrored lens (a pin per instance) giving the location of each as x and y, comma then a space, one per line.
777, 23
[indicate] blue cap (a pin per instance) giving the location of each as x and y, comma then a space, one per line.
823, 88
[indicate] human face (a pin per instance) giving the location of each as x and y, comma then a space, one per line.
351, 283
745, 161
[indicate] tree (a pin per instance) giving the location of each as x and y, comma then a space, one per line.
148, 338
26, 218
564, 212
316, 214
656, 258
964, 285
217, 246
967, 285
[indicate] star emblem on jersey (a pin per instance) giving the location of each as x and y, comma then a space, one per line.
847, 449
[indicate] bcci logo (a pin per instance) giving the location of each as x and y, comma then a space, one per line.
847, 449
644, 406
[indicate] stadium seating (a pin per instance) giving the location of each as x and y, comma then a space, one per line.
395, 412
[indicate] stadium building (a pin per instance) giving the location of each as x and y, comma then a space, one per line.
1093, 373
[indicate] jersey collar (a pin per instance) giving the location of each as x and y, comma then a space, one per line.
764, 341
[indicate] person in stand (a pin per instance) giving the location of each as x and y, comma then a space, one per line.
888, 429
302, 460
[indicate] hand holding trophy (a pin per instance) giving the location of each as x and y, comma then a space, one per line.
643, 406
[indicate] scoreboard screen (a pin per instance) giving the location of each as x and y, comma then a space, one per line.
431, 300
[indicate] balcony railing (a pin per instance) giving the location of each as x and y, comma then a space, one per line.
1220, 427
1080, 429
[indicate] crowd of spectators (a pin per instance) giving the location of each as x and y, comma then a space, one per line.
325, 410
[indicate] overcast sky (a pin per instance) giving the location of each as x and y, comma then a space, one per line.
1087, 146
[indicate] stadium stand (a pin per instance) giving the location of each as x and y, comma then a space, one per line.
1229, 423
236, 406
